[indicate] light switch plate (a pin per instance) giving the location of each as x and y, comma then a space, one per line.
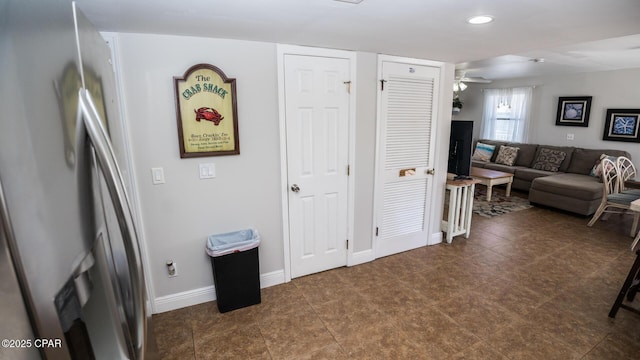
157, 175
207, 171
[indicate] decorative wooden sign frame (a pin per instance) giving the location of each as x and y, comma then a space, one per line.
206, 111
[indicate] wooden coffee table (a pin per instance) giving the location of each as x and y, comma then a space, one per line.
489, 178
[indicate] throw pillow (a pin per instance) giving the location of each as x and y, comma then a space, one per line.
549, 160
507, 155
597, 168
483, 152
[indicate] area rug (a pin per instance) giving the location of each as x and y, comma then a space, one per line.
499, 205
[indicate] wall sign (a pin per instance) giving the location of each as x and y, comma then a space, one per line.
207, 113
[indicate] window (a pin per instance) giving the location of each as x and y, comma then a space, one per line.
506, 114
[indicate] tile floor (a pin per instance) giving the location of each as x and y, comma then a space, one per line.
533, 284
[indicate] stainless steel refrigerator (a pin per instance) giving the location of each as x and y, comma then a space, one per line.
71, 277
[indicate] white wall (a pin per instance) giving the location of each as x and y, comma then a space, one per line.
472, 107
179, 215
610, 90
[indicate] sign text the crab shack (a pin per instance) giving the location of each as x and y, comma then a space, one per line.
206, 112
207, 87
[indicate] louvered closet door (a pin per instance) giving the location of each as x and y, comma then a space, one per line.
405, 156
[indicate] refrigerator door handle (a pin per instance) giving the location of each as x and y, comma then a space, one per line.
106, 159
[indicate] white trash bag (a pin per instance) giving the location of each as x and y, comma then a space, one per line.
232, 242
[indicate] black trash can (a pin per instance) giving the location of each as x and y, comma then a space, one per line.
236, 268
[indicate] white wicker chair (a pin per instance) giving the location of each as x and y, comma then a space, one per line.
635, 242
613, 201
627, 171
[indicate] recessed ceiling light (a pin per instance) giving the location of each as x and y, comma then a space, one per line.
479, 20
351, 1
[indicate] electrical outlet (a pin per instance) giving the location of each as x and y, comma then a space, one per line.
570, 136
172, 269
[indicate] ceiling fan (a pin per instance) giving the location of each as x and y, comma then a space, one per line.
461, 76
460, 79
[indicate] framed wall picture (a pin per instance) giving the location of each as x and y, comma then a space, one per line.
206, 111
622, 125
573, 111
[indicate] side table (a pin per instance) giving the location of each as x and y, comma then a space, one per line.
460, 208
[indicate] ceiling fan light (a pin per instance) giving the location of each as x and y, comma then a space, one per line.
479, 20
459, 86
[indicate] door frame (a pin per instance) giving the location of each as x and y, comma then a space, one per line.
283, 50
439, 179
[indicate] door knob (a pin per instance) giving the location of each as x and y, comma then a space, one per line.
431, 171
295, 188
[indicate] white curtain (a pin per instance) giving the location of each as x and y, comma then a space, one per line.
506, 114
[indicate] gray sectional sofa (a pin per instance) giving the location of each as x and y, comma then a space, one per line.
571, 188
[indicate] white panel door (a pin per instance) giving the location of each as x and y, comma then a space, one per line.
408, 110
317, 129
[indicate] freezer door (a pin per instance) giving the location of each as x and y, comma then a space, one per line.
101, 124
123, 253
97, 76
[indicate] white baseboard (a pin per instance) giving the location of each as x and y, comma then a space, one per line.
184, 299
436, 238
271, 279
207, 293
362, 257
